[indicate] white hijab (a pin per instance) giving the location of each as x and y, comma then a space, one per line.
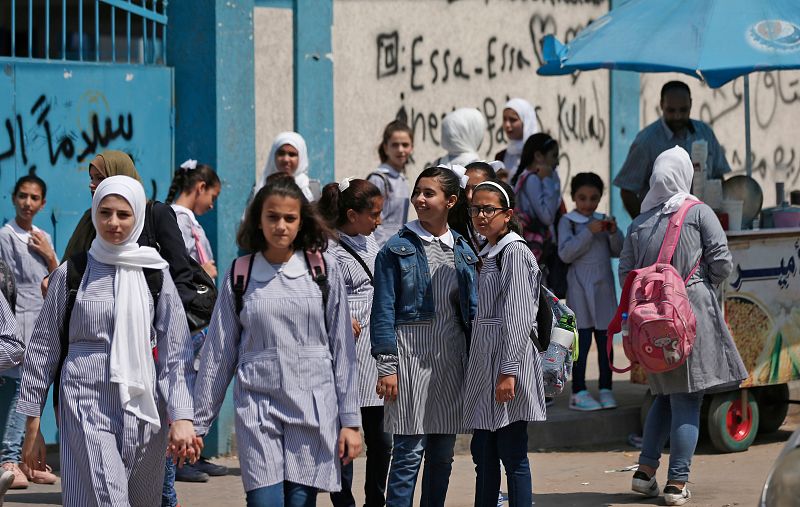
530, 126
671, 181
462, 134
301, 174
131, 361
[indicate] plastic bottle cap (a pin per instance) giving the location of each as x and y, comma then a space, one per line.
624, 315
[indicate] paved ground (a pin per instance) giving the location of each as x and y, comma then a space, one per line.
560, 479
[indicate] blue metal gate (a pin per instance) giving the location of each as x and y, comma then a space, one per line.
81, 76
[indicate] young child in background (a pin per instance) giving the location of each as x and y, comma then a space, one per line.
195, 187
587, 241
390, 178
353, 207
28, 251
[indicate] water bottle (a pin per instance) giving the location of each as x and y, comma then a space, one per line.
624, 326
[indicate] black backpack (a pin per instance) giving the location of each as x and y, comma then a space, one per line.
76, 267
8, 286
198, 311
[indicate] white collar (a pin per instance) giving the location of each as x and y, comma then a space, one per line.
183, 209
492, 251
19, 232
263, 271
359, 240
579, 218
446, 238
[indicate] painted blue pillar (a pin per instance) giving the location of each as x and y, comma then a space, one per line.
313, 82
211, 49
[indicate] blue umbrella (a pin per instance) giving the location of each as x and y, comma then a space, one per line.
713, 40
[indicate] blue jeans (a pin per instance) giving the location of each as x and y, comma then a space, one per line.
584, 345
406, 459
509, 445
675, 417
11, 450
169, 498
379, 453
287, 494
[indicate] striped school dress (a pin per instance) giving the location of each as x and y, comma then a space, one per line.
359, 297
295, 381
108, 456
432, 358
12, 347
507, 305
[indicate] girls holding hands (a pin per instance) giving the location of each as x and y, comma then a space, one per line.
394, 151
587, 241
504, 388
420, 326
118, 395
288, 338
354, 208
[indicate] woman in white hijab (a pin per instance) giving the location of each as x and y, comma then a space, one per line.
127, 372
702, 256
519, 123
288, 155
462, 134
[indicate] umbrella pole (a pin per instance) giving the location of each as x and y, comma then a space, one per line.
748, 164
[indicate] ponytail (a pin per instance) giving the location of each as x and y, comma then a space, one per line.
357, 196
186, 178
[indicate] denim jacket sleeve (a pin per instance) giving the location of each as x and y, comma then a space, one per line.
382, 320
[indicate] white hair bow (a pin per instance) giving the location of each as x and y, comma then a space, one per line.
460, 171
345, 184
189, 165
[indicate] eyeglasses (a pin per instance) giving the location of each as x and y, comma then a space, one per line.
488, 211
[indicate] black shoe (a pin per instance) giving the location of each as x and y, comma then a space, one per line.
212, 469
188, 473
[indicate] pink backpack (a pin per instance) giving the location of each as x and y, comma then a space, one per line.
661, 324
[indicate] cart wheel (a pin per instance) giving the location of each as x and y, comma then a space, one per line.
647, 402
773, 405
729, 430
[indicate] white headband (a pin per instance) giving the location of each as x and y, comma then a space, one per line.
189, 165
497, 186
345, 184
460, 171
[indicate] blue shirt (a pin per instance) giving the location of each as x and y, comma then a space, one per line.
657, 138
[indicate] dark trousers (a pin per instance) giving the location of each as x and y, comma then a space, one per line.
509, 445
379, 453
584, 345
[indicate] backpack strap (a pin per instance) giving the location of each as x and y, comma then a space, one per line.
673, 233
240, 277
316, 266
387, 187
357, 257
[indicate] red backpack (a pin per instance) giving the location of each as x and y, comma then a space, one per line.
660, 322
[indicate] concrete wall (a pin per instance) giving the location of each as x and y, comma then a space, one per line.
274, 47
421, 59
774, 106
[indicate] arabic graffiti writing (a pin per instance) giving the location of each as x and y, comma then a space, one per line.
62, 144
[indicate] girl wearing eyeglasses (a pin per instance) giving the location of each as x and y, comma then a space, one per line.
420, 326
504, 389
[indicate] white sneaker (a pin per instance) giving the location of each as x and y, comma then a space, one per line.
673, 495
645, 485
6, 479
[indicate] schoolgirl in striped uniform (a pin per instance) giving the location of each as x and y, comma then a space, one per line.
420, 327
395, 149
296, 395
354, 207
118, 395
12, 348
504, 387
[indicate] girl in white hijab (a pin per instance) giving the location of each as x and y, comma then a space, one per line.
462, 134
519, 123
671, 181
118, 394
290, 155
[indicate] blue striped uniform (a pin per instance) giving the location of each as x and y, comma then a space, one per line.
108, 456
359, 296
507, 306
295, 383
12, 349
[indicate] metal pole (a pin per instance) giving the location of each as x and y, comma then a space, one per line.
97, 30
63, 29
113, 34
47, 30
748, 163
30, 28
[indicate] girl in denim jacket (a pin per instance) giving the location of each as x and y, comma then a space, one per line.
424, 303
